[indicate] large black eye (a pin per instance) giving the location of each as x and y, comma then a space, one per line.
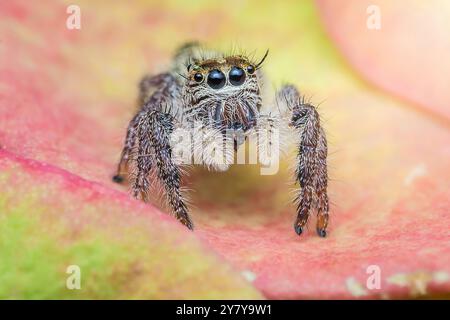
216, 79
237, 76
198, 77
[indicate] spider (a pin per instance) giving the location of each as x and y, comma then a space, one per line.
221, 92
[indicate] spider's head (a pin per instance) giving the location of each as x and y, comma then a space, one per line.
224, 92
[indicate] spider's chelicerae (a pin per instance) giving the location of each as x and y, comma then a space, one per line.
222, 93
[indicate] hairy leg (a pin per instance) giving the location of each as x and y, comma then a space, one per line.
321, 185
155, 153
130, 141
147, 143
155, 93
156, 88
311, 170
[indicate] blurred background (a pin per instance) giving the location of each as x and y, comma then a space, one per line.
378, 71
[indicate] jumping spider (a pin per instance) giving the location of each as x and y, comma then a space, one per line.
222, 92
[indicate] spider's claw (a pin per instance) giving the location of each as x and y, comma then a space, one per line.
188, 223
298, 229
118, 178
321, 232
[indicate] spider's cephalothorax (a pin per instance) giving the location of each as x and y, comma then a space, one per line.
222, 93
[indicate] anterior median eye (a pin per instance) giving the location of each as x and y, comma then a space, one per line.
216, 79
237, 76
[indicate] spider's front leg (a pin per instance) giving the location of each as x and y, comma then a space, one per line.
154, 152
153, 91
147, 144
311, 170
